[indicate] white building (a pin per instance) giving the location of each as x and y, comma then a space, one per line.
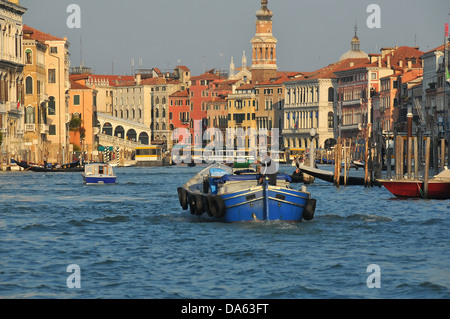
11, 78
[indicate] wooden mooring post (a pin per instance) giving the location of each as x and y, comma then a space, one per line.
427, 167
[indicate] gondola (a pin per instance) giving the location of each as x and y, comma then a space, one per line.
70, 167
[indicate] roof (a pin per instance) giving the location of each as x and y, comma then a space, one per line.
246, 87
39, 35
184, 68
208, 75
392, 60
77, 86
184, 93
329, 71
112, 80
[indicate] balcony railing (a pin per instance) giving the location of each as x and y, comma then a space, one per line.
351, 102
30, 128
44, 128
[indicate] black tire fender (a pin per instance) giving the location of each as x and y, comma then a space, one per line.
182, 196
217, 206
310, 208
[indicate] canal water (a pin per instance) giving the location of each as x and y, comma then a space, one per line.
133, 240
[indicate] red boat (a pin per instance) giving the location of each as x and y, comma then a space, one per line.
438, 187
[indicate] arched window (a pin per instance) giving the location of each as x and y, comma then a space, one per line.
28, 56
29, 85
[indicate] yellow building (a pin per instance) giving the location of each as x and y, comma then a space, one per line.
241, 111
35, 99
57, 84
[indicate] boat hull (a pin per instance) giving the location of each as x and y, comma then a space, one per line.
283, 205
245, 196
98, 180
414, 189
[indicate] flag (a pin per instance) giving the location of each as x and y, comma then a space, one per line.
18, 103
447, 75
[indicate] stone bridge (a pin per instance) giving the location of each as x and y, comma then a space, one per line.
120, 132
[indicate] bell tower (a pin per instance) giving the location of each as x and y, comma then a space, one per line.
264, 46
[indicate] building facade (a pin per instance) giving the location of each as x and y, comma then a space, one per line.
11, 80
35, 99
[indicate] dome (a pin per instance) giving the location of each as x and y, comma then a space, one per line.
351, 54
354, 52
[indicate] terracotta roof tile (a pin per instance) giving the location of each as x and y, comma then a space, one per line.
39, 35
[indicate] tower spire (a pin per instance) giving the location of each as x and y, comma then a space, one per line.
264, 46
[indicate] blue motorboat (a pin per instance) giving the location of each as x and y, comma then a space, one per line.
98, 173
234, 195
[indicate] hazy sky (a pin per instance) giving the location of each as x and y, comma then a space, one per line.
205, 34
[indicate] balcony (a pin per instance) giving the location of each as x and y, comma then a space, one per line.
351, 102
30, 128
44, 128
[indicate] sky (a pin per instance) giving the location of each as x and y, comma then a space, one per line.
206, 34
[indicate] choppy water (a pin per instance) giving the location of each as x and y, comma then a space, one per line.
133, 240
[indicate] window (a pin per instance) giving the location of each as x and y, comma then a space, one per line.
53, 50
330, 120
29, 115
52, 130
29, 85
29, 56
76, 100
51, 106
51, 76
330, 94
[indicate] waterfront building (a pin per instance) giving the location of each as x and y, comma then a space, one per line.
11, 80
199, 96
83, 128
178, 113
394, 101
57, 84
160, 109
242, 112
309, 104
105, 86
436, 93
358, 85
270, 103
35, 100
217, 108
131, 118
